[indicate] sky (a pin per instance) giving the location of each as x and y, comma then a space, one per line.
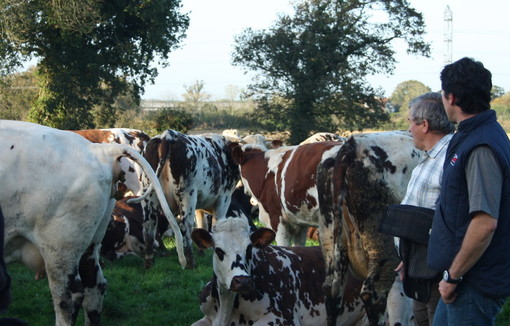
480, 29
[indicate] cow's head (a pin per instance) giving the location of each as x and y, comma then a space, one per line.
233, 244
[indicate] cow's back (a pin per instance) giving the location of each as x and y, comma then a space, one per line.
49, 178
290, 281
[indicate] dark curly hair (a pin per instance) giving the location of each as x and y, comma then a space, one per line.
470, 82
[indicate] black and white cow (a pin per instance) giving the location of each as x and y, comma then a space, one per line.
323, 136
57, 198
197, 173
369, 172
258, 284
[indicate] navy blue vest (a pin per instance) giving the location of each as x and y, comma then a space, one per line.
491, 274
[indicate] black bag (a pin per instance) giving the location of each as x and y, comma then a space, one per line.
408, 222
412, 225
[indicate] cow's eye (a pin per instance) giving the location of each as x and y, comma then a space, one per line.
220, 253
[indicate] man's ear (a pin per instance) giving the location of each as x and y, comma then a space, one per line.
450, 98
426, 126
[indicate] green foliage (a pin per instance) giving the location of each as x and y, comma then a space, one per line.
497, 91
318, 61
237, 116
399, 101
502, 107
405, 92
106, 115
90, 51
168, 118
18, 92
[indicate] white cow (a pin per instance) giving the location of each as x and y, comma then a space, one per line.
56, 196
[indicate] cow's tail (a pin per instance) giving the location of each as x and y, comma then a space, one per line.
116, 151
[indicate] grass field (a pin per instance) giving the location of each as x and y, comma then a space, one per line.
163, 295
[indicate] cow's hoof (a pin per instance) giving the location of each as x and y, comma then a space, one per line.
190, 265
148, 263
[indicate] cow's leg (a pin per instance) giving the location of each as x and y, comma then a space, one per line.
186, 224
150, 223
283, 236
336, 259
65, 286
94, 285
300, 236
380, 278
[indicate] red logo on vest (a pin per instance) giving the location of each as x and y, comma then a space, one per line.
454, 160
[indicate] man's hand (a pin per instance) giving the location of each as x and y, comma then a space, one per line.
447, 291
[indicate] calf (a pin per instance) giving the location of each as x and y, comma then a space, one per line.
196, 172
283, 183
133, 138
57, 198
258, 284
124, 235
368, 173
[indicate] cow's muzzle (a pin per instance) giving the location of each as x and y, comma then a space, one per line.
241, 284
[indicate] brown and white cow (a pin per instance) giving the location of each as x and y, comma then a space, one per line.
283, 183
258, 284
136, 139
57, 197
197, 173
369, 172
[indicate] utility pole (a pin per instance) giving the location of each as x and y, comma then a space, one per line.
448, 35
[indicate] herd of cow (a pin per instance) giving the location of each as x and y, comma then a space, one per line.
69, 197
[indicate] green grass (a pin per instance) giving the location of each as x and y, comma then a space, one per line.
163, 295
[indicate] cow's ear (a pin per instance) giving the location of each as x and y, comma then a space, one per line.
262, 237
202, 238
237, 154
276, 143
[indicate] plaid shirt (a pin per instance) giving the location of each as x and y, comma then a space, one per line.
425, 185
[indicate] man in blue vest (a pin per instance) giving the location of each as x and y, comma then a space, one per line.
470, 239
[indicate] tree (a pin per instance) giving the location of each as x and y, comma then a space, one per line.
90, 51
195, 94
405, 92
18, 91
502, 107
496, 92
318, 61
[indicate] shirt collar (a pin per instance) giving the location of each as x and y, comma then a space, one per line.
436, 149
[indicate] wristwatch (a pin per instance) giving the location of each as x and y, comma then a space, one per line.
447, 278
